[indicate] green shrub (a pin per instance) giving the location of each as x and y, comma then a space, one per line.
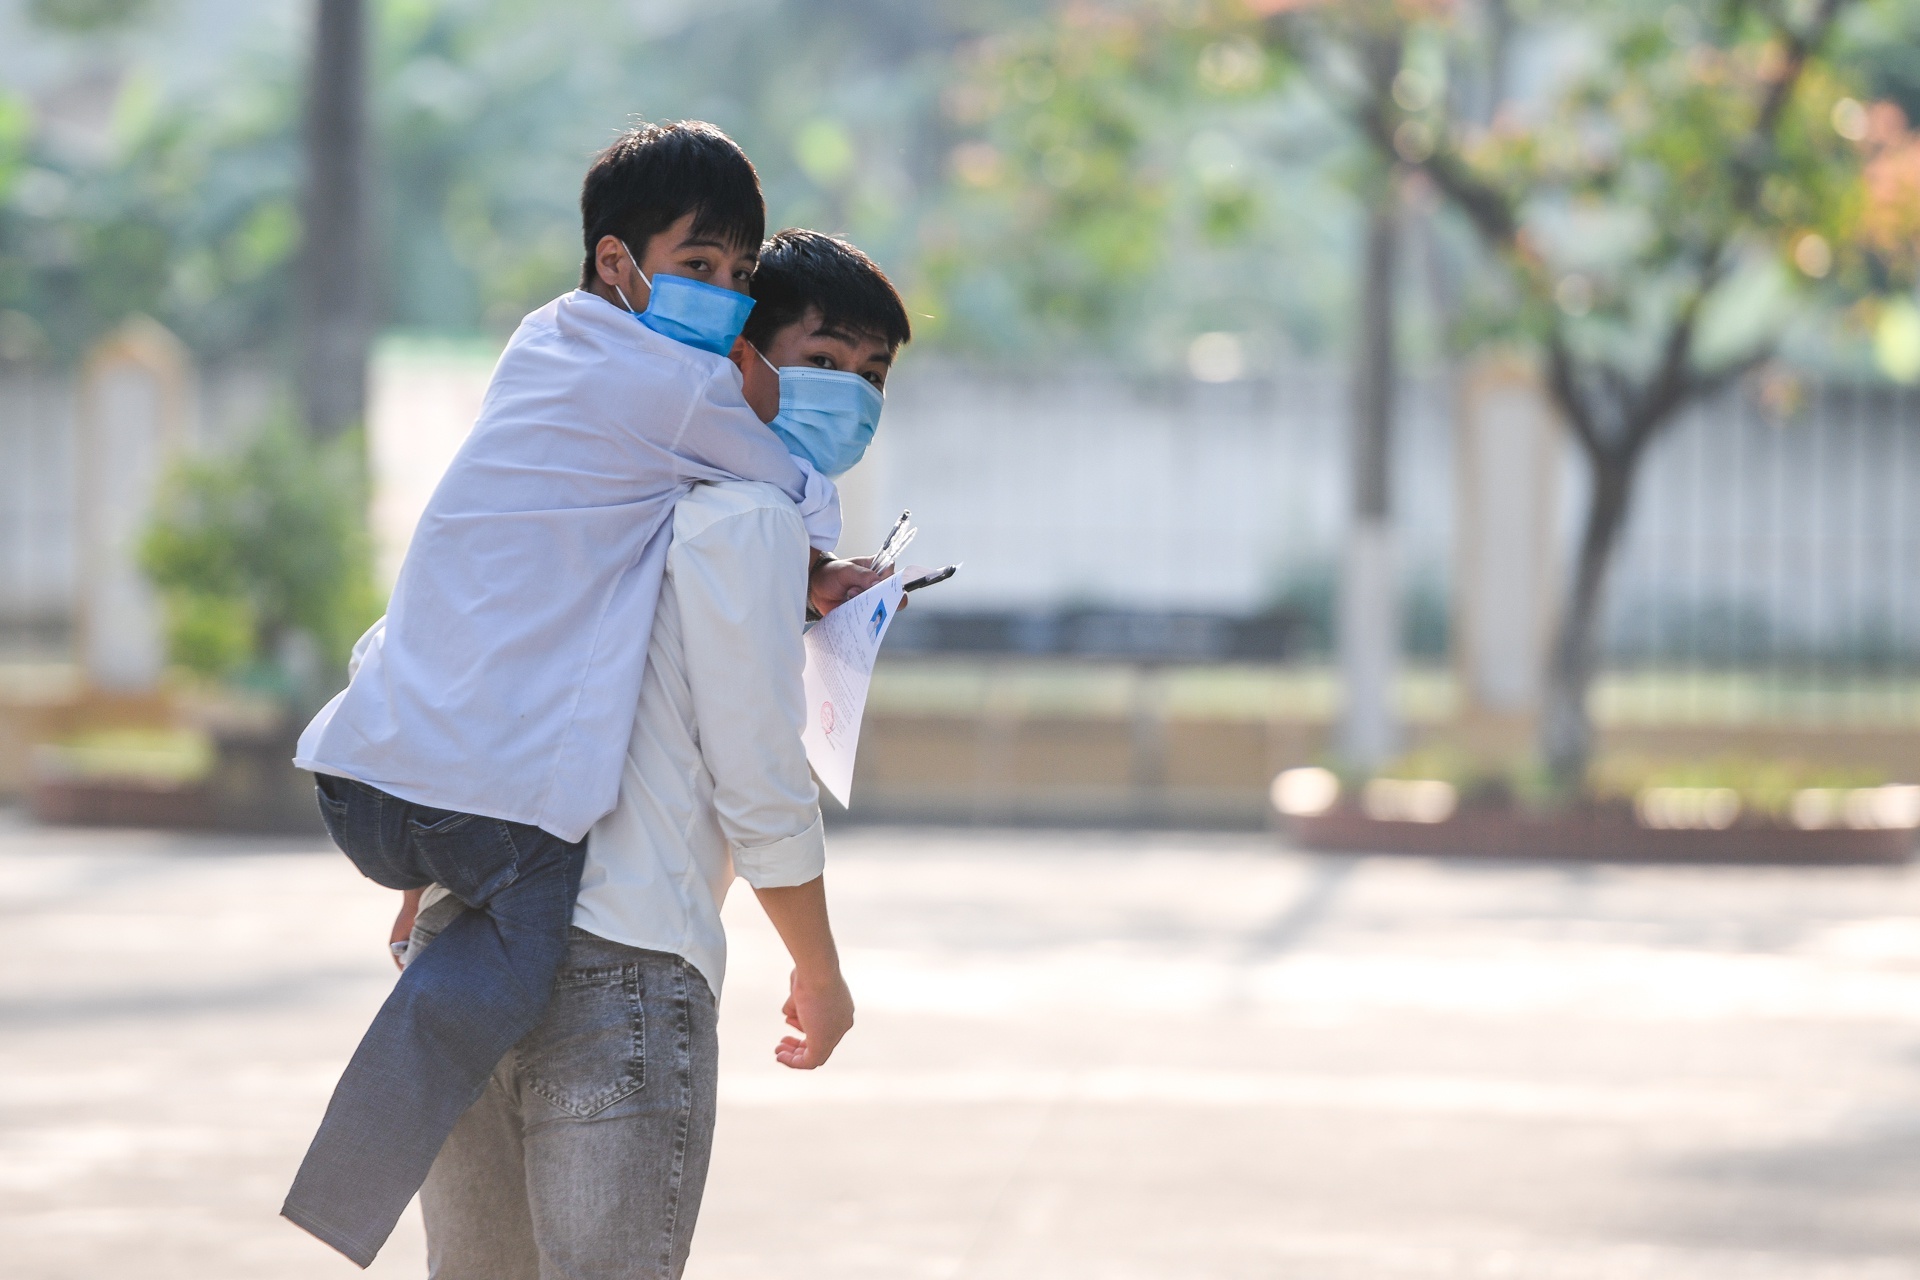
249, 550
1766, 785
174, 756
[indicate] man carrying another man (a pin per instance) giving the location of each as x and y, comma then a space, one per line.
623, 552
587, 1152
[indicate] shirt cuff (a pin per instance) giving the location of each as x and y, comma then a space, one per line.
784, 863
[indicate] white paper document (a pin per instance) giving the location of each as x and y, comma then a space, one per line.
841, 649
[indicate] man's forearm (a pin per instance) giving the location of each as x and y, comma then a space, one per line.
819, 1006
403, 922
799, 915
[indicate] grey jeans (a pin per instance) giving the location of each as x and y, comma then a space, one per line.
586, 1155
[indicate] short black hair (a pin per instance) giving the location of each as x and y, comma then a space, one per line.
801, 269
655, 174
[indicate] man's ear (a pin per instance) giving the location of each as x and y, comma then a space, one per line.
759, 381
617, 270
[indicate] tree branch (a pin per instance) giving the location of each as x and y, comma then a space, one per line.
1674, 379
1801, 45
1373, 113
1712, 384
1564, 383
1486, 206
1751, 156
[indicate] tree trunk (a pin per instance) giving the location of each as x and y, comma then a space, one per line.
335, 329
1369, 613
1566, 727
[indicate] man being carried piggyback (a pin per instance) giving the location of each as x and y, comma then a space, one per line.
586, 1154
486, 723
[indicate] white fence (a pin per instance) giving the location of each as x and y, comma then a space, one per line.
1755, 539
1083, 489
1756, 536
1777, 538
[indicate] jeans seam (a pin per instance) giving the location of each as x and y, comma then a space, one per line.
683, 1117
452, 822
637, 1026
513, 846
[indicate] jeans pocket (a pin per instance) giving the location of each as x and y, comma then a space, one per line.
590, 1049
474, 857
333, 812
353, 815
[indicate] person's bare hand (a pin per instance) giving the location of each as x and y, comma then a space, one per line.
821, 1010
834, 582
403, 922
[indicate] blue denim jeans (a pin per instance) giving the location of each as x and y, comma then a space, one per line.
450, 1018
586, 1155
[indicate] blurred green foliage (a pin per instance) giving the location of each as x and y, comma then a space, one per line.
1129, 177
187, 217
865, 117
1116, 150
86, 15
1089, 179
1766, 785
175, 756
485, 113
249, 549
1655, 183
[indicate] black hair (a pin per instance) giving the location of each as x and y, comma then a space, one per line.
655, 174
801, 269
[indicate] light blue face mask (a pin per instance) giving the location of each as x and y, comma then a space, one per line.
826, 416
691, 311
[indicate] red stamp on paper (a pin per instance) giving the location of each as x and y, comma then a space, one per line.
826, 717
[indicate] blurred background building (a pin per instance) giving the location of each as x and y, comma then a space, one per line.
1247, 338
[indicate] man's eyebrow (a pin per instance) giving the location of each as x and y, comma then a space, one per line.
852, 338
707, 242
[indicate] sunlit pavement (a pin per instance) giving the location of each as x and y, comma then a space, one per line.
1079, 1055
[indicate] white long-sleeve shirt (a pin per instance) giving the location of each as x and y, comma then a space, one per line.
503, 678
715, 780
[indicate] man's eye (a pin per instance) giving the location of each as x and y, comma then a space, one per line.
699, 264
879, 383
821, 362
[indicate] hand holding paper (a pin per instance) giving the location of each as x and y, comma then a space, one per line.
841, 649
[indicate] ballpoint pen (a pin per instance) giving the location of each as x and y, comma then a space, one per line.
892, 553
891, 546
893, 533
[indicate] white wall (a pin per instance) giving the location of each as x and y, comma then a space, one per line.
1081, 488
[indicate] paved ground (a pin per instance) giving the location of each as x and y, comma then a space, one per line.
1081, 1057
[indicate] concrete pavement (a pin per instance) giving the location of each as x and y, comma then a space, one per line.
1080, 1057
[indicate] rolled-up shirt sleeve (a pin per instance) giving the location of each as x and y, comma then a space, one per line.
741, 588
794, 860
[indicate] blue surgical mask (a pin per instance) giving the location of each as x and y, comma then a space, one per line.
826, 416
691, 311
